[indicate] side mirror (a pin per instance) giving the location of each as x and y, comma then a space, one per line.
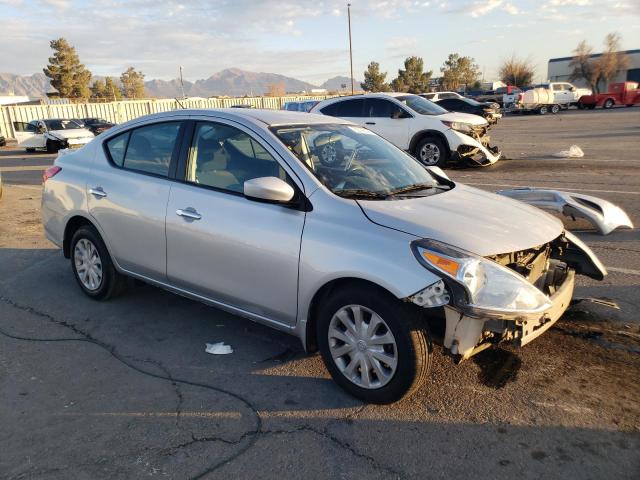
270, 189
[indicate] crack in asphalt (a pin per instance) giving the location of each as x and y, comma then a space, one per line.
252, 435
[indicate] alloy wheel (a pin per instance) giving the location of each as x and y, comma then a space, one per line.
362, 346
88, 264
429, 154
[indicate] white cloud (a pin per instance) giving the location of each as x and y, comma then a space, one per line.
480, 8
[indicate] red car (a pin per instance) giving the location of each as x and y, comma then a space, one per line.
625, 93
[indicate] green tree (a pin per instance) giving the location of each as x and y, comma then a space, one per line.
459, 71
67, 75
412, 79
516, 71
132, 83
374, 79
98, 91
111, 90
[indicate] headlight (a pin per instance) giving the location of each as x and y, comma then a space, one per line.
458, 126
488, 285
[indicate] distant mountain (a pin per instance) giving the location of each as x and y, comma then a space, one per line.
36, 85
335, 84
230, 82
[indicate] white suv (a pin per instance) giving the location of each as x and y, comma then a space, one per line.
427, 131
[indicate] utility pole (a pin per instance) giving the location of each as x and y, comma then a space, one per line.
182, 83
350, 48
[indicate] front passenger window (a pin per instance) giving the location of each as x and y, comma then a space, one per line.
224, 157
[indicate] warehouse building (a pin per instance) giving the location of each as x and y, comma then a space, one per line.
560, 71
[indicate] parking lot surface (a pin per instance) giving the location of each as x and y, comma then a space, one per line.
124, 389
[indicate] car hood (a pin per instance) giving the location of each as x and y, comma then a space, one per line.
72, 133
477, 221
463, 117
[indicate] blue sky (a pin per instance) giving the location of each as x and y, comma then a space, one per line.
306, 39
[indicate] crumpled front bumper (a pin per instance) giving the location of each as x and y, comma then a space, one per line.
465, 335
465, 147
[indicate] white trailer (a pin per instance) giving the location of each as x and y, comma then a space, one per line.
539, 100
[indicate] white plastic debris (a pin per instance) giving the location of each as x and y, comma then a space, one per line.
218, 348
574, 152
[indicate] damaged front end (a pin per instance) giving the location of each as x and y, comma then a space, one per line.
512, 297
473, 144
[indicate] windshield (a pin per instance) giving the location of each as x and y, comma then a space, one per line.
421, 105
353, 162
62, 124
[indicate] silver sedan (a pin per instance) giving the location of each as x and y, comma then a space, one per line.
317, 227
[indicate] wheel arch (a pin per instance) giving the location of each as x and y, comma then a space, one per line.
418, 136
71, 227
310, 338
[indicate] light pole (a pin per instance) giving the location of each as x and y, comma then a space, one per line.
350, 49
181, 83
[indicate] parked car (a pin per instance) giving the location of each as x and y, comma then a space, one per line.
3, 141
305, 106
564, 94
51, 135
96, 125
487, 110
503, 96
624, 93
435, 96
426, 130
370, 249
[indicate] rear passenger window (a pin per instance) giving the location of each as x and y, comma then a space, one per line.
345, 108
117, 146
150, 148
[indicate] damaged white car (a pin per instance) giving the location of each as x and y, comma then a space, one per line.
51, 135
430, 133
364, 254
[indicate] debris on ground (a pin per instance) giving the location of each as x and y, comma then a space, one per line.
218, 348
574, 152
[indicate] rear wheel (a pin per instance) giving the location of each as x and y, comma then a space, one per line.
92, 265
543, 110
555, 109
373, 344
608, 103
432, 152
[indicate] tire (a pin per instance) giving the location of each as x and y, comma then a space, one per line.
30, 150
555, 109
87, 246
581, 106
411, 347
591, 107
629, 105
608, 103
432, 152
543, 110
52, 147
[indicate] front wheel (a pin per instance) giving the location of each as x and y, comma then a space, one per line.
92, 265
373, 344
608, 103
432, 152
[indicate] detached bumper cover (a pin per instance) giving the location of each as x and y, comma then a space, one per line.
604, 215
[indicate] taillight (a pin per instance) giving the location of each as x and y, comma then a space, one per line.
50, 173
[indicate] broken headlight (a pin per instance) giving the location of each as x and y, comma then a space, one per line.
488, 286
459, 126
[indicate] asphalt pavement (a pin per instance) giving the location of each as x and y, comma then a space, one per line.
124, 389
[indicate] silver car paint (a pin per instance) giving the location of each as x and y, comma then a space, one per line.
491, 225
604, 215
337, 240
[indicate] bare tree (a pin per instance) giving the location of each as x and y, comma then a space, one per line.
612, 59
583, 66
276, 90
517, 71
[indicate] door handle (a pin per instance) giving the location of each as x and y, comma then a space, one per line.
369, 123
188, 213
98, 192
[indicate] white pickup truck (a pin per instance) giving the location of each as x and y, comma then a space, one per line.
565, 94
